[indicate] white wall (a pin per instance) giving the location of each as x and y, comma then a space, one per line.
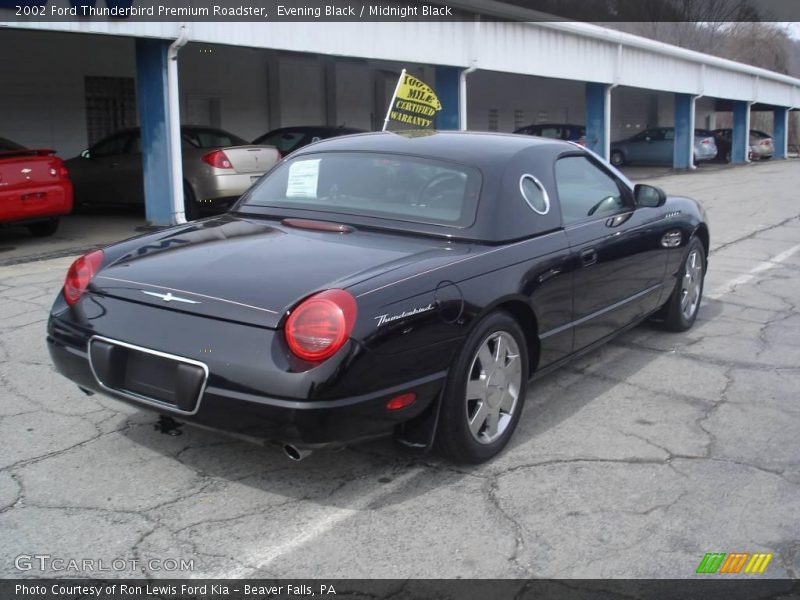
705, 116
521, 100
354, 94
42, 86
42, 96
234, 77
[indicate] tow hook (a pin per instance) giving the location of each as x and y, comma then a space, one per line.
168, 426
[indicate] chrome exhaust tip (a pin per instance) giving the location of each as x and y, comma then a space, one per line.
294, 453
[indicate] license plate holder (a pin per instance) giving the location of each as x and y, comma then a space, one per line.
149, 376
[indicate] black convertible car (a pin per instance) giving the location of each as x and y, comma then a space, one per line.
407, 283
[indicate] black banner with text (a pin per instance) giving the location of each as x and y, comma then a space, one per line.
735, 588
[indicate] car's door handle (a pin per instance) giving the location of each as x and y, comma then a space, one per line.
588, 257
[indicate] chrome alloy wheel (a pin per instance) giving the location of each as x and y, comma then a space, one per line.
492, 389
691, 283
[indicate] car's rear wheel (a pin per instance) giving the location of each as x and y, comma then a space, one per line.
617, 158
43, 228
684, 303
485, 391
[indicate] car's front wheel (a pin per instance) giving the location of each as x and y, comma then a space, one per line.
682, 306
617, 158
485, 391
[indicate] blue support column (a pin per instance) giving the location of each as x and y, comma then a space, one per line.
152, 99
598, 118
740, 149
683, 150
446, 88
780, 132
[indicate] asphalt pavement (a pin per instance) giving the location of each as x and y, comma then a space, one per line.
633, 461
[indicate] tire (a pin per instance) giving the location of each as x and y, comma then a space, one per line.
494, 409
617, 158
190, 207
680, 313
44, 228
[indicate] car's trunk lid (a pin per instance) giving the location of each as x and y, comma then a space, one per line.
20, 169
252, 159
250, 270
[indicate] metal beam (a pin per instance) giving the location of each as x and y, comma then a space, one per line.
740, 137
447, 89
683, 149
153, 103
780, 132
598, 118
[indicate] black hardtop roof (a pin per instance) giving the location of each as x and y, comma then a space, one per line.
479, 149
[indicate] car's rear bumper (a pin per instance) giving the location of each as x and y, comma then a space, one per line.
37, 203
223, 405
761, 153
211, 189
701, 154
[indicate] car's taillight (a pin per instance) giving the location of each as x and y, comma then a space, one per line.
217, 159
80, 274
707, 141
765, 142
321, 324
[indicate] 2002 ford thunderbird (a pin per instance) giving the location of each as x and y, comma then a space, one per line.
380, 283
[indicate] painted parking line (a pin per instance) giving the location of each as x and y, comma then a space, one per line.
752, 273
323, 525
262, 559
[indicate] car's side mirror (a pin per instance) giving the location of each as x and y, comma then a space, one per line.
85, 154
649, 195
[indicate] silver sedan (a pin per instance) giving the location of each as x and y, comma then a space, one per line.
656, 146
218, 167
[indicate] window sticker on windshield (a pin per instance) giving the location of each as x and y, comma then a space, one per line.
303, 177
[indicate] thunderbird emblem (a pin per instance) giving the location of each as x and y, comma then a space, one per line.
168, 297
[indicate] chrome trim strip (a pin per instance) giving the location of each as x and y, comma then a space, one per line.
168, 297
539, 185
139, 397
163, 287
600, 312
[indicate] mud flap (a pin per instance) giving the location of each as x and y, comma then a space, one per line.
418, 434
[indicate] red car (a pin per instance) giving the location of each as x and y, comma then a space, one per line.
35, 189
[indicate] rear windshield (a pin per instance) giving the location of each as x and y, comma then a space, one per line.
387, 186
8, 145
211, 138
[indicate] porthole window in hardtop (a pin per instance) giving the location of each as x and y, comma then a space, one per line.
535, 194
